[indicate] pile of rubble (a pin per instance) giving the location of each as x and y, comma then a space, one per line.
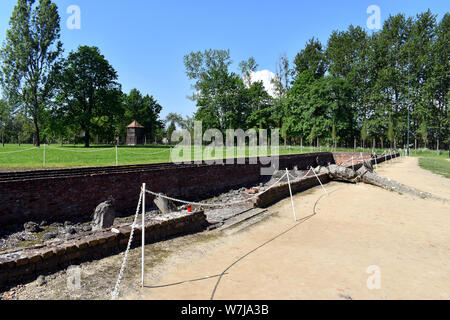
33, 233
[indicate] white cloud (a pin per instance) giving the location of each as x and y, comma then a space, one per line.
265, 76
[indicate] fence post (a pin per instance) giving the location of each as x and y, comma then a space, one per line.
290, 191
143, 232
44, 157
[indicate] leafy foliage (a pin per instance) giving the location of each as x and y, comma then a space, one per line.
29, 58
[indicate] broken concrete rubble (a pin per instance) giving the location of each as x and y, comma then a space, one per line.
104, 215
165, 205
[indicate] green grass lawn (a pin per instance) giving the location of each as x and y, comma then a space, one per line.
436, 165
426, 153
56, 156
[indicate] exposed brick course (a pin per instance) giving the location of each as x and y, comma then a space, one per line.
60, 195
16, 265
26, 264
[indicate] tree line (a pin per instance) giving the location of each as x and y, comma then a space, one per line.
359, 89
48, 97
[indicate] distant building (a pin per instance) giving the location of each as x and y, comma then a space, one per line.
135, 134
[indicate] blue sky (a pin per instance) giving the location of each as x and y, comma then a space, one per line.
145, 40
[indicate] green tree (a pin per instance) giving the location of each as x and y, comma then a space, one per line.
439, 86
259, 104
423, 132
247, 67
364, 134
219, 93
89, 95
311, 59
172, 127
5, 114
29, 57
176, 119
390, 133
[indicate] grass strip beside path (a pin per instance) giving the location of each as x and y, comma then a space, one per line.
436, 165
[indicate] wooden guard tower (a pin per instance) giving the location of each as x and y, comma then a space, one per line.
135, 134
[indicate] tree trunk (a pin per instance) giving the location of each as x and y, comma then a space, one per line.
87, 138
37, 141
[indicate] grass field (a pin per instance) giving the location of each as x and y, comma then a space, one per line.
436, 165
56, 156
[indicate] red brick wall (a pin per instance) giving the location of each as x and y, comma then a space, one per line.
341, 157
57, 198
28, 263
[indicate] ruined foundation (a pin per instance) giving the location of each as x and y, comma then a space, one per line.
61, 194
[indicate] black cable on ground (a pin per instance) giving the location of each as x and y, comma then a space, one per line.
219, 276
181, 282
267, 242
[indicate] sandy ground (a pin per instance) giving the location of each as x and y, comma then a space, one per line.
333, 255
408, 172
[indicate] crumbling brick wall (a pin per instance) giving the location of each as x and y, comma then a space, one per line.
57, 198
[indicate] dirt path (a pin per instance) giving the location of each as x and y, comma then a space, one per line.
327, 256
408, 172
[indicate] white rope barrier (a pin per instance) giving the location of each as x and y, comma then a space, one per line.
325, 190
143, 233
304, 176
290, 191
17, 151
43, 164
202, 204
115, 293
141, 206
82, 151
145, 153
